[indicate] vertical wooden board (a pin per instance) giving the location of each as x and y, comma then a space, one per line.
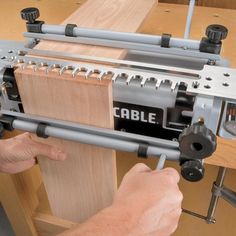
85, 183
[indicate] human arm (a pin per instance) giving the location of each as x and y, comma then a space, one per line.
147, 203
19, 153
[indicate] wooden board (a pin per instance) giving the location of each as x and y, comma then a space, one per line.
121, 15
19, 199
48, 225
86, 182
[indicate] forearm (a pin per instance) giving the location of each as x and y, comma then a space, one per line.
110, 221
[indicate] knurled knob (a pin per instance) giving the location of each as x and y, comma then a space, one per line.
216, 33
197, 142
30, 14
192, 170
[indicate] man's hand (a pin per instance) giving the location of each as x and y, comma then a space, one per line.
147, 203
19, 153
151, 200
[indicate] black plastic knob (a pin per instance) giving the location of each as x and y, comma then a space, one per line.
192, 170
197, 142
30, 14
216, 33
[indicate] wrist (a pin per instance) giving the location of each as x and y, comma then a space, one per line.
112, 220
119, 220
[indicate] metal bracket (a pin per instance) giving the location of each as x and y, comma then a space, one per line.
218, 191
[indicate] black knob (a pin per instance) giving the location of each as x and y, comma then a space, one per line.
197, 142
216, 33
30, 14
192, 170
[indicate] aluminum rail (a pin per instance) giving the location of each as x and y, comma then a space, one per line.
123, 45
101, 137
121, 36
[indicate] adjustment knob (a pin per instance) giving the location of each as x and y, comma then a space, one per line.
216, 33
197, 142
192, 170
30, 14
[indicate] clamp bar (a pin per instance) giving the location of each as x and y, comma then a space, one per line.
120, 36
95, 136
124, 45
101, 141
215, 197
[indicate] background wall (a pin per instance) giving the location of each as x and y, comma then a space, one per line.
230, 4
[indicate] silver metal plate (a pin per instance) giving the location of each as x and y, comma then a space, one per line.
211, 80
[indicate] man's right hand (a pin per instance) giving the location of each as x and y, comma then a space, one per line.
148, 203
151, 199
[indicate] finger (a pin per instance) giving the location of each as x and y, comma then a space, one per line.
173, 173
16, 167
49, 151
43, 149
140, 167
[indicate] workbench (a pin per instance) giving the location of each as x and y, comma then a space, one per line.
23, 195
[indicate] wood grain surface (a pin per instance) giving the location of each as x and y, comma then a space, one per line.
48, 225
86, 182
121, 15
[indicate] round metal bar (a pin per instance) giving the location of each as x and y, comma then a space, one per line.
98, 140
121, 36
214, 199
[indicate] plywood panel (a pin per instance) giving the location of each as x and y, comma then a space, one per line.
86, 182
122, 15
